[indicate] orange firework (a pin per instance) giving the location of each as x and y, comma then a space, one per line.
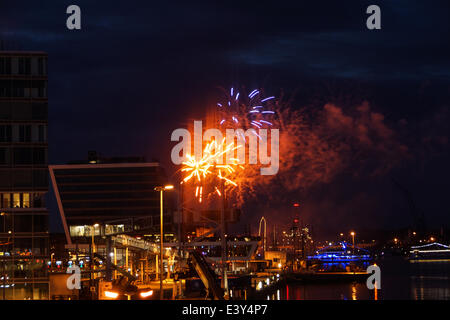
210, 166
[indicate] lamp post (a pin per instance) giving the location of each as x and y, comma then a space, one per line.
161, 190
353, 240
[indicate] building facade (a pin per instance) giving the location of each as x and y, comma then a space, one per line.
24, 241
116, 194
109, 207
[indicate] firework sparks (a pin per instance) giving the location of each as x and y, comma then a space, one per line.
210, 166
243, 111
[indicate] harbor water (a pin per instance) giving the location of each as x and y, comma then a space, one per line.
401, 279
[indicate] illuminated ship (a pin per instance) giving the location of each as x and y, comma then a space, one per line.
433, 250
341, 253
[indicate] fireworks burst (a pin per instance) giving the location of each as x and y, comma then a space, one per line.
210, 167
237, 110
245, 111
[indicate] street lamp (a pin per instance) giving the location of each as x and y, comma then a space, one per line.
353, 240
161, 190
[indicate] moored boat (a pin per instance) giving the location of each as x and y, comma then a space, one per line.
341, 253
434, 251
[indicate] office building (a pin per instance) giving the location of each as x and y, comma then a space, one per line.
23, 176
109, 196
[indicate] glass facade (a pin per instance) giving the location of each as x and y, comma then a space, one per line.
24, 241
96, 193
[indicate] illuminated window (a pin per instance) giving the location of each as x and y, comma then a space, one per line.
77, 231
6, 201
26, 200
16, 200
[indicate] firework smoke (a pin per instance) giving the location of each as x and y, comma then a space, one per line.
316, 146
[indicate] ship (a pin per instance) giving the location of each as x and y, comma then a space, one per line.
341, 253
335, 263
430, 251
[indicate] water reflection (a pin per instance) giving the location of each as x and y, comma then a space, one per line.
430, 279
336, 291
344, 266
400, 279
274, 296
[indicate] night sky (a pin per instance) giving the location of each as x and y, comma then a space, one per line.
138, 70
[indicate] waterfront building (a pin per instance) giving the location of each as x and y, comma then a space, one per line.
110, 211
24, 238
297, 239
104, 196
